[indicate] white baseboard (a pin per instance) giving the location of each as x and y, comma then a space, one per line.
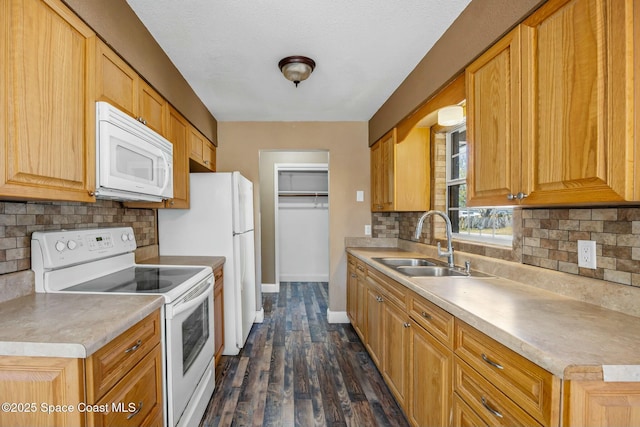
270, 288
259, 316
337, 316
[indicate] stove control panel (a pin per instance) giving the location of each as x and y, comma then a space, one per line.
61, 248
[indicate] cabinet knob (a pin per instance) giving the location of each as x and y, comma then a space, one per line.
172, 203
142, 120
206, 162
379, 299
521, 196
426, 315
92, 193
353, 276
406, 324
511, 196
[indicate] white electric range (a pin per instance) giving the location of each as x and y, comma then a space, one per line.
103, 261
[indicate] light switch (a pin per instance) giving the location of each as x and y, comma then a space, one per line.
359, 196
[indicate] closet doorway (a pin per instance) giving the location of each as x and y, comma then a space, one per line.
301, 211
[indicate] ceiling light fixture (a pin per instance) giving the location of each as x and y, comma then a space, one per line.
451, 115
296, 68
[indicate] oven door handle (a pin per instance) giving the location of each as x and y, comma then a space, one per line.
174, 310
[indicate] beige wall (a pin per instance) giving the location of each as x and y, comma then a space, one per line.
120, 28
239, 147
477, 27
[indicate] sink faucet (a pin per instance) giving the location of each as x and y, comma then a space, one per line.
449, 252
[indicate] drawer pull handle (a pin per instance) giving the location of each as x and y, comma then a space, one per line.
353, 276
134, 413
491, 362
361, 268
135, 347
490, 409
426, 315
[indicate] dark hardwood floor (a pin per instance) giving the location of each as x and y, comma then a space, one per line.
297, 369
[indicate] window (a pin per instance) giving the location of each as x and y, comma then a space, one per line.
486, 224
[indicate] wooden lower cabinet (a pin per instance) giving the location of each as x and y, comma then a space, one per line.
395, 350
600, 404
218, 314
373, 338
28, 382
96, 391
430, 364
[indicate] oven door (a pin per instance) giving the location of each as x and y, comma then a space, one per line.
190, 347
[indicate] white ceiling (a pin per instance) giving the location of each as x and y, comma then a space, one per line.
228, 51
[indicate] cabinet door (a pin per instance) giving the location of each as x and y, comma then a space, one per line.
152, 108
218, 313
361, 308
352, 291
116, 81
48, 119
577, 105
493, 124
388, 170
395, 349
178, 131
209, 155
599, 403
382, 173
38, 380
376, 177
430, 384
373, 336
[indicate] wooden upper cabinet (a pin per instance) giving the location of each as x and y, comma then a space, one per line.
48, 131
178, 134
493, 123
202, 155
578, 102
119, 84
562, 83
400, 172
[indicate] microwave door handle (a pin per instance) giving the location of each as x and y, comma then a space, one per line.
169, 169
173, 311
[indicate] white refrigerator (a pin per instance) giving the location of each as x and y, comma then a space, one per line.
219, 222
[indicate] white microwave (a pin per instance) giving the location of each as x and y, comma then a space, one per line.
132, 161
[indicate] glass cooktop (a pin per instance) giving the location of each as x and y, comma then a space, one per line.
139, 279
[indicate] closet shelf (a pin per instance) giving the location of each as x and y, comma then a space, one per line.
284, 193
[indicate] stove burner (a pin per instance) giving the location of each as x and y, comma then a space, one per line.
152, 285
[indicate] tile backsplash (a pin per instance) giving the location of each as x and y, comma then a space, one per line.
19, 219
548, 238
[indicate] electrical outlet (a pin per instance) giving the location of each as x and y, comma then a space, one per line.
367, 230
587, 254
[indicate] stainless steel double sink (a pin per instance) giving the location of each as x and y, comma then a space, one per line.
426, 267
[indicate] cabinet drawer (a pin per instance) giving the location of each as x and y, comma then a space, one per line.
487, 401
531, 387
109, 364
141, 388
361, 268
395, 292
431, 317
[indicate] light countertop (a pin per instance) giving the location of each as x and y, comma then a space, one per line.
211, 261
563, 335
69, 325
